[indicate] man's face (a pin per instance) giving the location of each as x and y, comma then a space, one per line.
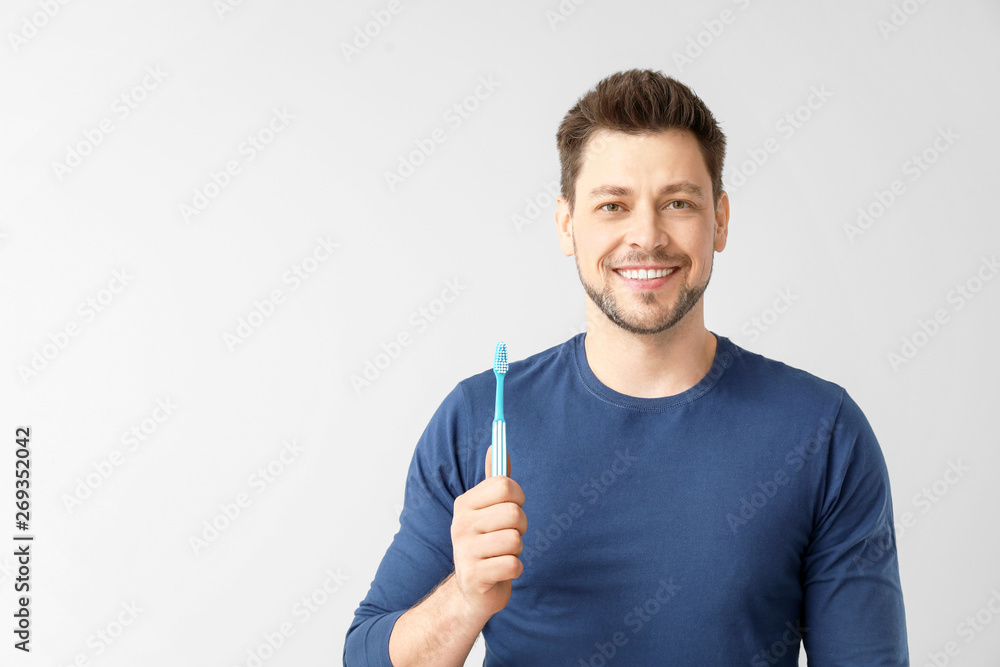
644, 203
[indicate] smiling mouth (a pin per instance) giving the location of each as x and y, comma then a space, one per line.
645, 274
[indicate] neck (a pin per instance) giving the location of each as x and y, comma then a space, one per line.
649, 365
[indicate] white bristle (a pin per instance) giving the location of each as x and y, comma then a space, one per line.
500, 359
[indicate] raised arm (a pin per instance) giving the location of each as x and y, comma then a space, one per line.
486, 536
429, 599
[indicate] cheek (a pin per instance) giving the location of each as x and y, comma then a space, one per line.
596, 249
702, 263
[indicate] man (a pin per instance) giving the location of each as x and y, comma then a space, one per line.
673, 499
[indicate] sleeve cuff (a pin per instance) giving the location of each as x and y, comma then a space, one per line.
368, 644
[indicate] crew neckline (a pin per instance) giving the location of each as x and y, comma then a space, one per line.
720, 363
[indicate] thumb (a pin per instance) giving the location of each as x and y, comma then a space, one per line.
489, 460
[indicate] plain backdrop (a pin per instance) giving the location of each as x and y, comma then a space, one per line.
201, 257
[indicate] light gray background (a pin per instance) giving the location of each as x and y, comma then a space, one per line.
334, 508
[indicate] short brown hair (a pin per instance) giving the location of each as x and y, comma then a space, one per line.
635, 102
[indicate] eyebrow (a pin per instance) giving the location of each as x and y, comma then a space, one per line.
673, 188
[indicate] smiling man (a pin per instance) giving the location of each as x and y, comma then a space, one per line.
672, 498
643, 235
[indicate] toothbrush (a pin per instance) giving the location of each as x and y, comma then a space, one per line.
499, 425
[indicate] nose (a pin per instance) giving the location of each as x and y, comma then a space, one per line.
646, 231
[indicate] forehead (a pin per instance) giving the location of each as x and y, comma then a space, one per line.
673, 152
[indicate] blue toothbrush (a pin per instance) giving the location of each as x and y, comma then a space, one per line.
499, 425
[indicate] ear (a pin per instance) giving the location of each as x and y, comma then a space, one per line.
722, 222
564, 225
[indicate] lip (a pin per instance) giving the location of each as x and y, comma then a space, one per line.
636, 267
645, 285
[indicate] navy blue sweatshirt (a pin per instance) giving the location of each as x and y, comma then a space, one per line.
725, 525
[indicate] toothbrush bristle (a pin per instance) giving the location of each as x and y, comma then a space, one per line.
500, 359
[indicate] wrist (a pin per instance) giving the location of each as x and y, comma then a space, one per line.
465, 612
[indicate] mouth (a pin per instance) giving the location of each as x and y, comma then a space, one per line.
646, 278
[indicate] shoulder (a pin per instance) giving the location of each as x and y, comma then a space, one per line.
794, 395
777, 381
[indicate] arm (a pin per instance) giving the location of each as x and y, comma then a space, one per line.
420, 555
486, 536
482, 527
440, 630
853, 603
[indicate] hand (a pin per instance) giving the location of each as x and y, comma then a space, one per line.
486, 531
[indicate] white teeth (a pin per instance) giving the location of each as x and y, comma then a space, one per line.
643, 274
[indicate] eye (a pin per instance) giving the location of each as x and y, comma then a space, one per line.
678, 201
612, 204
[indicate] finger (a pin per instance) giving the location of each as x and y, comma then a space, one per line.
489, 464
502, 516
500, 568
489, 492
505, 542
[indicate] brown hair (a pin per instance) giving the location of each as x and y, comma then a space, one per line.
635, 102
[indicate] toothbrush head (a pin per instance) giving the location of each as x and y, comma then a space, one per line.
500, 359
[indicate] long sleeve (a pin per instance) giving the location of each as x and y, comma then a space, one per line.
853, 603
420, 554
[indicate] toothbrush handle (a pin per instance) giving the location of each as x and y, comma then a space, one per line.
498, 466
499, 410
